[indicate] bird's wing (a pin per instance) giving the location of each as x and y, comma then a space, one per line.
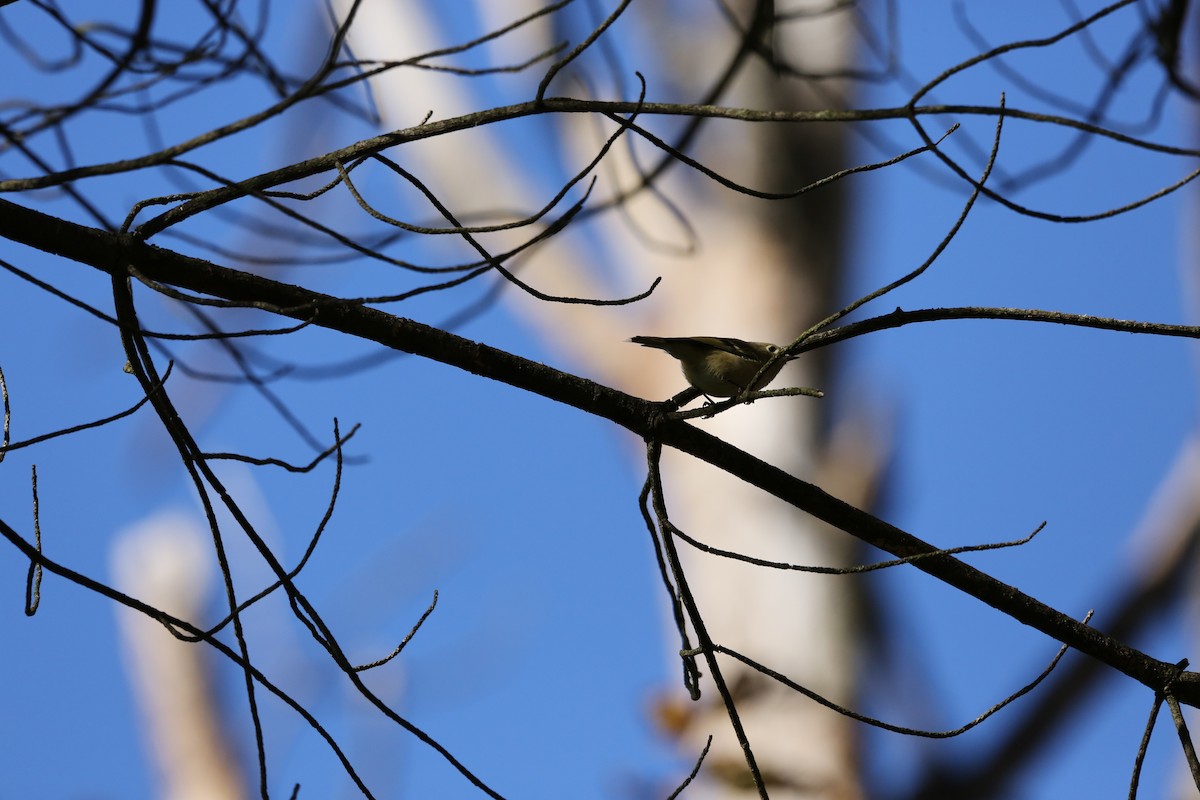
736, 347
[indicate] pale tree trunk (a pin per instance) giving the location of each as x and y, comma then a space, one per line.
761, 271
160, 562
764, 273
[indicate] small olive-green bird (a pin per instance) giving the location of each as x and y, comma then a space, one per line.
720, 367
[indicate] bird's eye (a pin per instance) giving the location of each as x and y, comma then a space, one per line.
773, 349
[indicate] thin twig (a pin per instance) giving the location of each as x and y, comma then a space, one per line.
6, 433
706, 645
405, 641
691, 672
855, 570
1144, 746
33, 581
6, 448
695, 771
275, 462
887, 726
1185, 739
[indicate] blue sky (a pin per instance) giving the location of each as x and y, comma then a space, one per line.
538, 665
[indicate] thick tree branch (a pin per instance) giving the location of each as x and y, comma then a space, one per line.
111, 252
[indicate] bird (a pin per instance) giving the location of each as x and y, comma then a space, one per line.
720, 366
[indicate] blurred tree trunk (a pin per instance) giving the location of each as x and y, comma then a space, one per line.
161, 561
766, 271
761, 271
